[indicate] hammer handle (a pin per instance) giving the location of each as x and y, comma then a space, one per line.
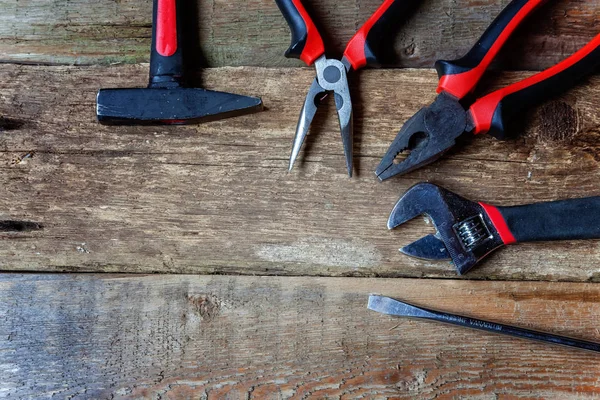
166, 62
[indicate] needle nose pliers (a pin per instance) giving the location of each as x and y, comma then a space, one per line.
434, 129
307, 45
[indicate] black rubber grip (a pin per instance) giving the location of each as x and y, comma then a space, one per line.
297, 26
555, 220
460, 77
166, 70
307, 44
552, 85
379, 32
474, 57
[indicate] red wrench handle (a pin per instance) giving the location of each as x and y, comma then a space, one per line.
361, 49
307, 44
490, 112
555, 220
459, 77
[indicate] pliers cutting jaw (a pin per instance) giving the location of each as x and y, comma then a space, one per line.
427, 135
331, 78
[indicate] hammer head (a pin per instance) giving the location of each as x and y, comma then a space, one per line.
177, 105
464, 232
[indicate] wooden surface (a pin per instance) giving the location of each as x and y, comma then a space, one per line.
169, 337
217, 197
238, 33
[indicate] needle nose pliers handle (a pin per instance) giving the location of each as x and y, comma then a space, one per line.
362, 49
307, 44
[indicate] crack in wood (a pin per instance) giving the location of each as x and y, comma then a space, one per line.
19, 226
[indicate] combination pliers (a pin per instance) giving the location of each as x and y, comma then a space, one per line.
434, 129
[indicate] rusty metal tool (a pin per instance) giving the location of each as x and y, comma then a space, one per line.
166, 100
387, 305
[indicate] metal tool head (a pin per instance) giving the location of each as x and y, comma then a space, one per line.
387, 305
427, 136
331, 78
169, 105
314, 97
464, 232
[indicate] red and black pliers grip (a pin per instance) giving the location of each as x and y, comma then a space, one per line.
362, 48
490, 112
459, 77
555, 220
307, 44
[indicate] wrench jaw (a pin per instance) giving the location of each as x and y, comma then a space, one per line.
429, 247
422, 198
464, 232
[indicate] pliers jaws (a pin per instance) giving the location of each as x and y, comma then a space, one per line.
426, 136
331, 77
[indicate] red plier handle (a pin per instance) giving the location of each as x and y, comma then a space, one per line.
307, 43
362, 48
460, 77
490, 112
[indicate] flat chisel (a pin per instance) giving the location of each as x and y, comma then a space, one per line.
387, 305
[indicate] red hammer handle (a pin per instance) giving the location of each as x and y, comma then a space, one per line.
166, 64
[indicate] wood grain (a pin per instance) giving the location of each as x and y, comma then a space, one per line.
102, 336
217, 197
226, 33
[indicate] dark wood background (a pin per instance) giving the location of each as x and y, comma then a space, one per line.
216, 199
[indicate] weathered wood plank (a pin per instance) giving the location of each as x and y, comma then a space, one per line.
99, 336
254, 33
217, 198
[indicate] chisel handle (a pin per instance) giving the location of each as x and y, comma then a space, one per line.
166, 61
509, 330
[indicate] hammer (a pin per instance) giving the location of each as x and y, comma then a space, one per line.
166, 100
